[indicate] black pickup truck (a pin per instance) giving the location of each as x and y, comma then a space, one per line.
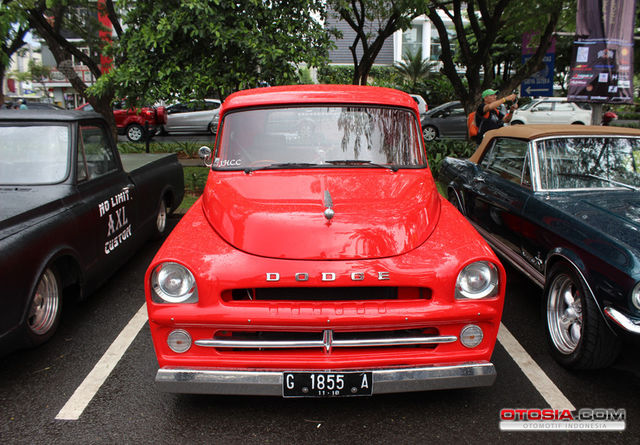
72, 211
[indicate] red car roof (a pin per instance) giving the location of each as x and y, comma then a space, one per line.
318, 94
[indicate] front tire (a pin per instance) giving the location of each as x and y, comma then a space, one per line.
577, 334
135, 132
45, 308
429, 133
212, 129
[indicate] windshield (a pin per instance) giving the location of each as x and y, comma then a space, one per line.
589, 162
332, 136
33, 154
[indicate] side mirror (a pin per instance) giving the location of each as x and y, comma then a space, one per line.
205, 155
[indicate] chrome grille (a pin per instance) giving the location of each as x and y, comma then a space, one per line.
327, 339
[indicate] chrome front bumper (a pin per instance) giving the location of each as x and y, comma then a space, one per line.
269, 383
622, 320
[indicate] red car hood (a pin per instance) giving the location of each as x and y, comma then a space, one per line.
280, 214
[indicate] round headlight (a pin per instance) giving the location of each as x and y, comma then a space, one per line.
635, 296
471, 336
173, 283
477, 280
179, 341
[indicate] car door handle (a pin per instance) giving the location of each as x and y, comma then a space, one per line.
479, 179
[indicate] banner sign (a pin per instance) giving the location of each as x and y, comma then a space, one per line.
602, 63
541, 82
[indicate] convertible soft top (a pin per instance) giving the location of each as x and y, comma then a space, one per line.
530, 132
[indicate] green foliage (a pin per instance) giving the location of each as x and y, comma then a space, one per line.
439, 149
184, 149
304, 76
201, 48
414, 68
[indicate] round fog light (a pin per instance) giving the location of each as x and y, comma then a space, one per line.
471, 336
179, 341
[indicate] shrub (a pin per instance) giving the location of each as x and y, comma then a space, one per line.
439, 149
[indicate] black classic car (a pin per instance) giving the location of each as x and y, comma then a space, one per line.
562, 204
71, 212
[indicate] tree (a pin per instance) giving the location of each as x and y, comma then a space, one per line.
414, 68
200, 48
13, 28
489, 23
58, 22
373, 22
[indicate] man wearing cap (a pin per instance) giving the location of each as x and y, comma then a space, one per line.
491, 114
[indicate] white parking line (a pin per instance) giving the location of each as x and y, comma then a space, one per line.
74, 407
534, 373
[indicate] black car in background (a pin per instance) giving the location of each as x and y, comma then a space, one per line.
448, 120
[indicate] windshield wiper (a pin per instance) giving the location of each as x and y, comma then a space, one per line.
281, 165
600, 178
393, 168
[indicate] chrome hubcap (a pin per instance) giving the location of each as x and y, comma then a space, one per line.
564, 314
161, 220
429, 133
135, 133
44, 307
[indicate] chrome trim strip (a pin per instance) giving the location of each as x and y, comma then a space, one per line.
327, 342
516, 260
622, 320
269, 383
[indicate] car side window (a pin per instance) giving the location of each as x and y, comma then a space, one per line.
212, 105
544, 106
95, 157
458, 111
564, 106
509, 159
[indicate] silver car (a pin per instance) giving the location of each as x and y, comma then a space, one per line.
192, 117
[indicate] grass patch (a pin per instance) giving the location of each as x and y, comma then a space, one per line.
195, 179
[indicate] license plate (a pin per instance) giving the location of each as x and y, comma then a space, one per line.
327, 384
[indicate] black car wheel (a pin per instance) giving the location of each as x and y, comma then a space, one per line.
429, 133
212, 128
135, 132
517, 123
45, 308
576, 332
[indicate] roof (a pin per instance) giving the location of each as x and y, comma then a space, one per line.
47, 115
319, 94
530, 132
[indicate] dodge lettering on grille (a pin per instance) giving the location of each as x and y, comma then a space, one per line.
330, 276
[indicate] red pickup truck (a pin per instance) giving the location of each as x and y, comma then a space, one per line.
321, 261
132, 121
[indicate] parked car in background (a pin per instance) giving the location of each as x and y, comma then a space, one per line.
562, 204
133, 122
192, 117
445, 121
552, 110
72, 212
423, 107
321, 261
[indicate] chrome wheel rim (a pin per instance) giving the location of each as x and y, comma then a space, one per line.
135, 133
564, 314
161, 219
44, 306
429, 133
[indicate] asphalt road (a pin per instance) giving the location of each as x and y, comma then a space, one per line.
35, 385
